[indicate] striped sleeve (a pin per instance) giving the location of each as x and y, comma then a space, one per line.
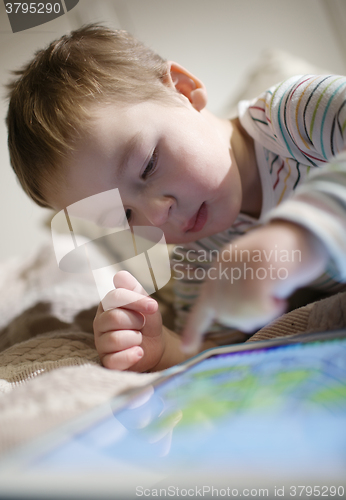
319, 205
303, 118
307, 117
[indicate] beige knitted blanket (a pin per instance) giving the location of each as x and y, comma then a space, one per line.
49, 368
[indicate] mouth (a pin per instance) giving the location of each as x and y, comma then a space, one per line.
197, 222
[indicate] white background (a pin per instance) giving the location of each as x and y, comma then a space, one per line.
218, 40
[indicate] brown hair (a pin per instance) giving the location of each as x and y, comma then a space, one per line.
52, 96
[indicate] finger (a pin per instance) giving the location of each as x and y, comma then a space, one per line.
121, 297
124, 279
252, 315
197, 324
123, 360
119, 340
119, 319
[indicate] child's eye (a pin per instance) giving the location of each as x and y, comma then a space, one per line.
151, 165
128, 214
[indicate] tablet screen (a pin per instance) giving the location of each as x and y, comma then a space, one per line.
278, 408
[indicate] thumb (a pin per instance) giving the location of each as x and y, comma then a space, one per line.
124, 279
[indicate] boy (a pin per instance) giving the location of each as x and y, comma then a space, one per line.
97, 110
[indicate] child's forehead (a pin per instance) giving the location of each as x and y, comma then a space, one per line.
154, 107
101, 155
119, 127
114, 133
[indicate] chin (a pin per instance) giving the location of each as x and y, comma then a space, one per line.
217, 227
183, 238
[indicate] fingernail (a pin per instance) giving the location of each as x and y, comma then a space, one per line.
139, 352
151, 305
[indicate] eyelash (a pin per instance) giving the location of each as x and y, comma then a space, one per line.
151, 165
148, 170
128, 214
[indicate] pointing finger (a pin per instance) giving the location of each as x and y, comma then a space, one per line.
197, 324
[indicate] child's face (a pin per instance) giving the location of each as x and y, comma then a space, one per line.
171, 164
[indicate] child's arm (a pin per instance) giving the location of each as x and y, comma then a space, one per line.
252, 292
304, 236
132, 337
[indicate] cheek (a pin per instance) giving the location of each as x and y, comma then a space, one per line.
197, 161
196, 165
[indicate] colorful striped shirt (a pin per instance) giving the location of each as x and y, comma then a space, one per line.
298, 126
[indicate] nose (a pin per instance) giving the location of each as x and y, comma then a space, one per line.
157, 209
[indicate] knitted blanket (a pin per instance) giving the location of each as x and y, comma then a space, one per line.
49, 368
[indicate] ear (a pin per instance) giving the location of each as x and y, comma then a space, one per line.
186, 84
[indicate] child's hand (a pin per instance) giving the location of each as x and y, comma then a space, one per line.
130, 336
249, 297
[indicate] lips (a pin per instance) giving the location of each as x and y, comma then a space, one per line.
197, 222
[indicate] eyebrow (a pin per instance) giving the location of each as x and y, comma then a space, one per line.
127, 152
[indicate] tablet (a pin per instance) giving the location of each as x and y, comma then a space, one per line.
262, 417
